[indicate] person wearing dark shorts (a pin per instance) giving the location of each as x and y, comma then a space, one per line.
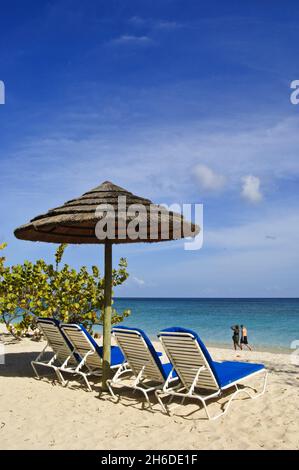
244, 338
236, 337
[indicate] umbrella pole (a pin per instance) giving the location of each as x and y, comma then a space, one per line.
107, 315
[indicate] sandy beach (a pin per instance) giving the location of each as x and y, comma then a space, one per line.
44, 415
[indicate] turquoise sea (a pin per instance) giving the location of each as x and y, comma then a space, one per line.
272, 323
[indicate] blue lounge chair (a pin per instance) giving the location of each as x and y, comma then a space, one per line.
89, 352
62, 350
200, 376
149, 374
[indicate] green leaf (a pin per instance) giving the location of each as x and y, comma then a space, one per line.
40, 290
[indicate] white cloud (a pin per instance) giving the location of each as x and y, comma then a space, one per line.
129, 39
208, 179
153, 23
139, 282
137, 20
167, 25
251, 189
149, 154
118, 152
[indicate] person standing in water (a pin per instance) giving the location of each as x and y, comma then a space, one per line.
236, 336
244, 338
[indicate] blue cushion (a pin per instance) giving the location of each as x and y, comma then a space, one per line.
150, 346
224, 372
167, 369
117, 356
229, 371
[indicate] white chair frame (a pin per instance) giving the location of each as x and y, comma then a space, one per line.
189, 390
140, 363
62, 352
85, 350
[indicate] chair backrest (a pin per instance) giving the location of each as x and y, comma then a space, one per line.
139, 353
187, 353
56, 339
83, 343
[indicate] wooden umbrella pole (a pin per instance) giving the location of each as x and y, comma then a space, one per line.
107, 315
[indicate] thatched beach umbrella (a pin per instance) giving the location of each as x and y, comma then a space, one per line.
105, 215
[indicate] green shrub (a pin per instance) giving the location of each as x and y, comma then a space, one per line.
32, 290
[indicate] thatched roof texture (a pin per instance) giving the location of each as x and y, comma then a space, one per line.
110, 209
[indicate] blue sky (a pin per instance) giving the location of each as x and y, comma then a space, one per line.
178, 101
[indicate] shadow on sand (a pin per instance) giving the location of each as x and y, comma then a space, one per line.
18, 364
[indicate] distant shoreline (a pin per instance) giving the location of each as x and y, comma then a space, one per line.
258, 349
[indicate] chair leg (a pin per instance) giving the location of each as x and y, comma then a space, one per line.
157, 394
237, 392
109, 385
57, 372
227, 405
59, 376
84, 376
170, 399
146, 396
121, 370
35, 370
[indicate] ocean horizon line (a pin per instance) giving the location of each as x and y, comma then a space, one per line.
204, 298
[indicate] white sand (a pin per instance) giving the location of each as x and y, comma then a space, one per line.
44, 415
